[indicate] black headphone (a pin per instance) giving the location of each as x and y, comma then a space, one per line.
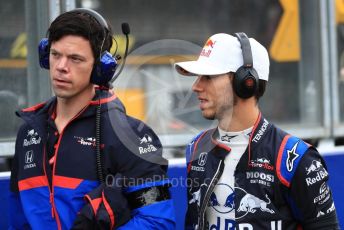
104, 68
246, 80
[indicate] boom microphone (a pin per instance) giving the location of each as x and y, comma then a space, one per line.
125, 28
126, 32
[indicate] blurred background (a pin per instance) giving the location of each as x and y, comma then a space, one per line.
305, 40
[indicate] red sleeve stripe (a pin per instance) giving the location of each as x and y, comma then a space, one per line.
66, 182
33, 182
279, 160
109, 211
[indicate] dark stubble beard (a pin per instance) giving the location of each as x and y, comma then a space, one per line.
228, 106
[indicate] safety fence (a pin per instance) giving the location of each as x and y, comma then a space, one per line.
334, 160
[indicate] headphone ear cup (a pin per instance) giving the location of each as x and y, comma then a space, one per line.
43, 53
245, 82
104, 70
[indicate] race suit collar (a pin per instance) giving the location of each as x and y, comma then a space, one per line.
36, 116
209, 141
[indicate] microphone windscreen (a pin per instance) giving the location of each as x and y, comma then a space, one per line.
125, 28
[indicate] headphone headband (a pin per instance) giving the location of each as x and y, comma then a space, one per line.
246, 49
246, 80
94, 14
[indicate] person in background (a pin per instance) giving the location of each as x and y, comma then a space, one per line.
246, 173
80, 162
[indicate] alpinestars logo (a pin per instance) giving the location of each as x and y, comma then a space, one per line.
146, 145
292, 155
32, 138
227, 138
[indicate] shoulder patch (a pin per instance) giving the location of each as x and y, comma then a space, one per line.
289, 155
191, 147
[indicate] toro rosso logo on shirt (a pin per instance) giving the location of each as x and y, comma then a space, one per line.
262, 163
87, 141
32, 138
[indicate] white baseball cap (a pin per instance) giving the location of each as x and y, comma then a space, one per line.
222, 54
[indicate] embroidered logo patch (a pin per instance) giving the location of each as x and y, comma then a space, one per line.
146, 145
292, 155
32, 138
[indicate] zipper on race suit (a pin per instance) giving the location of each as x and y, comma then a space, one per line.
54, 213
210, 189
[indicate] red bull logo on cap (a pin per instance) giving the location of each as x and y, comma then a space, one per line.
209, 45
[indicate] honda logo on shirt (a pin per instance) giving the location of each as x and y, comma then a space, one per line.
29, 157
202, 159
